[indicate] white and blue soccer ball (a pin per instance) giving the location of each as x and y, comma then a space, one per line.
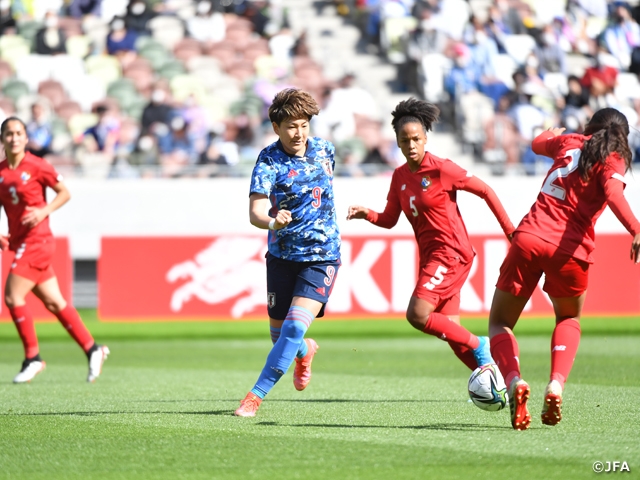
487, 388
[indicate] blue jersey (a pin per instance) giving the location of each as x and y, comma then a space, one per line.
304, 186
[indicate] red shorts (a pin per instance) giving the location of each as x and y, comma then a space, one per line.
33, 261
440, 281
529, 257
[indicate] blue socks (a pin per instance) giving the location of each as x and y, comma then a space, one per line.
275, 335
284, 350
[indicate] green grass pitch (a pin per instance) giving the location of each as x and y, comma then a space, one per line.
385, 402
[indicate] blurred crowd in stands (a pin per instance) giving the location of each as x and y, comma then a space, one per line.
503, 70
171, 88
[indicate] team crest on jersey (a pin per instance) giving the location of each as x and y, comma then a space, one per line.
426, 181
271, 299
326, 166
25, 176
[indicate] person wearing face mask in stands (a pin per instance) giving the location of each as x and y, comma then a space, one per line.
138, 16
622, 35
50, 39
121, 42
7, 22
157, 111
551, 58
206, 25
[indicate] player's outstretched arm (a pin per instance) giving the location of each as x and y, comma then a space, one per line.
35, 215
356, 211
484, 191
613, 190
258, 207
635, 249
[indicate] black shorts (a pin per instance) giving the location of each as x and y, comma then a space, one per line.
287, 279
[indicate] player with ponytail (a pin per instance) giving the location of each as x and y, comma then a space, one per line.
557, 238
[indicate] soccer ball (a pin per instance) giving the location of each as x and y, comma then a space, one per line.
487, 388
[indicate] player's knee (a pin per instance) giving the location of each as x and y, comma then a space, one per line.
53, 306
417, 320
293, 329
11, 301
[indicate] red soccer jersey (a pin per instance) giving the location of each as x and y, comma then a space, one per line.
567, 207
428, 199
25, 186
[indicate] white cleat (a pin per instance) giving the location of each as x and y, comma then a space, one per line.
29, 370
96, 359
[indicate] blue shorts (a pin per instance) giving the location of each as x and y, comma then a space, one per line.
287, 279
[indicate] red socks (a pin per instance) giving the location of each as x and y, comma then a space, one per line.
70, 320
26, 329
564, 346
504, 350
440, 326
465, 355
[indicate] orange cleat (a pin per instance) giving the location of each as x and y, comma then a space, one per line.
302, 370
552, 408
519, 392
249, 406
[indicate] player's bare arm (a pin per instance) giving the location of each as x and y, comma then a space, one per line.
635, 249
258, 206
35, 215
356, 211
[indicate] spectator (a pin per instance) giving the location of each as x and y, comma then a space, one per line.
526, 116
7, 22
39, 131
104, 135
157, 111
50, 39
206, 25
121, 42
551, 58
601, 72
177, 149
137, 17
501, 148
622, 35
80, 8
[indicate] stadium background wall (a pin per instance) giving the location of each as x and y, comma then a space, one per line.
158, 245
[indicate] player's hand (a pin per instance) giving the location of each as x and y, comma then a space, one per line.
635, 249
283, 218
356, 211
33, 216
557, 131
4, 242
510, 237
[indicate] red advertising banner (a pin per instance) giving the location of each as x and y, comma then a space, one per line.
63, 267
224, 277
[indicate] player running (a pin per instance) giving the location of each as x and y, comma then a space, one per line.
556, 238
425, 189
293, 178
23, 181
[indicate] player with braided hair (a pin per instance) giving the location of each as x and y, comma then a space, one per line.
425, 189
556, 238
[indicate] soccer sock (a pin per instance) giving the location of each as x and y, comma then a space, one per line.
23, 321
465, 355
504, 350
72, 322
440, 326
275, 335
564, 346
283, 352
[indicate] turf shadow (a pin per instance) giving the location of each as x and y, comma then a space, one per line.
435, 426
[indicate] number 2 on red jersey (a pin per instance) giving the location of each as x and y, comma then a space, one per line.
550, 187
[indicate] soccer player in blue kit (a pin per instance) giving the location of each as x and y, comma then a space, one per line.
294, 177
